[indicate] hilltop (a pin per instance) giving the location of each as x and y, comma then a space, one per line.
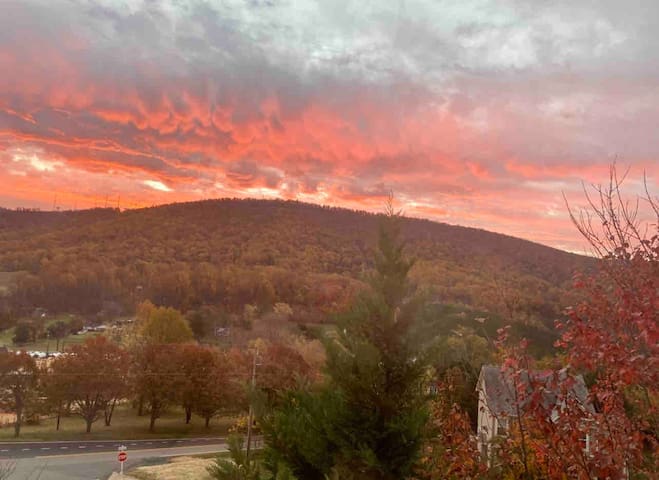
236, 252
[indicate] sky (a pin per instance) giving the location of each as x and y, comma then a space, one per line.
481, 113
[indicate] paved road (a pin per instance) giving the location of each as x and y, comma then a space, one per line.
99, 465
32, 449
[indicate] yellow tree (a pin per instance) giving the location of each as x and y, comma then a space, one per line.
156, 329
159, 325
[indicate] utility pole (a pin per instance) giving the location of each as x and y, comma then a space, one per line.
251, 407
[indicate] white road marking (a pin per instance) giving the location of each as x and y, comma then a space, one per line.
82, 446
45, 448
63, 448
26, 449
4, 450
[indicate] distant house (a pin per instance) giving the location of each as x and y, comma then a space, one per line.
497, 408
222, 332
39, 312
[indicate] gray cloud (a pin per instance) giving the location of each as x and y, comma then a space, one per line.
419, 95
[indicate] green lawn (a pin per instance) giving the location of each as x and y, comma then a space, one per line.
6, 336
126, 425
43, 344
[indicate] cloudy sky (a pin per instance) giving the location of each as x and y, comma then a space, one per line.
474, 112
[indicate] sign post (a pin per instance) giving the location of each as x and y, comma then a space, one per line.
122, 456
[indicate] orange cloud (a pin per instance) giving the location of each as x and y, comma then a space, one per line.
150, 122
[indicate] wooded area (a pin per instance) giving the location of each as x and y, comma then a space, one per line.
237, 252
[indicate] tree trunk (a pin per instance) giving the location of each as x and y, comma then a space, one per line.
208, 420
140, 406
19, 418
59, 414
188, 414
152, 424
89, 422
109, 411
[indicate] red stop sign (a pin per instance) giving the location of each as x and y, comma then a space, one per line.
122, 456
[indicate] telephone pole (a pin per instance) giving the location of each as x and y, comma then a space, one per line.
251, 407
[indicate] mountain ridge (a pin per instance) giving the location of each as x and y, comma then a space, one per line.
123, 250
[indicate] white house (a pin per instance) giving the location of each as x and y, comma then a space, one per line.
497, 406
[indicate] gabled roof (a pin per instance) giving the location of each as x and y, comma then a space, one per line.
500, 391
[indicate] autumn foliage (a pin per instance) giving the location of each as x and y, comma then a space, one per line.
91, 378
450, 451
612, 337
18, 379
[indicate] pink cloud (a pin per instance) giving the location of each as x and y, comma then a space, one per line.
492, 149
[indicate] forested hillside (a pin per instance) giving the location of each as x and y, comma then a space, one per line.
237, 252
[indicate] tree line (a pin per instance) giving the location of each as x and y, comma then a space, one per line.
233, 252
159, 366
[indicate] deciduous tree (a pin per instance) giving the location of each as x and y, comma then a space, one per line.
613, 334
58, 331
24, 332
158, 378
211, 382
450, 451
94, 375
281, 368
612, 337
56, 393
18, 382
159, 325
223, 388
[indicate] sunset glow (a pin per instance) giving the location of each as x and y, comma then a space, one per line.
480, 113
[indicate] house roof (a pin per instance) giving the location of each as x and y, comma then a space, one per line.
500, 392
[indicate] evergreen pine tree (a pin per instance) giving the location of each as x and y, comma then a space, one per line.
367, 423
379, 372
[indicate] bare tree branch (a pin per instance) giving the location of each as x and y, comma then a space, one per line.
610, 223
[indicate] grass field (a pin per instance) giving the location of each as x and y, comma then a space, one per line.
42, 344
192, 467
6, 336
180, 468
126, 425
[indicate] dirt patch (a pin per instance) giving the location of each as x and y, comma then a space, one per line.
179, 468
116, 476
